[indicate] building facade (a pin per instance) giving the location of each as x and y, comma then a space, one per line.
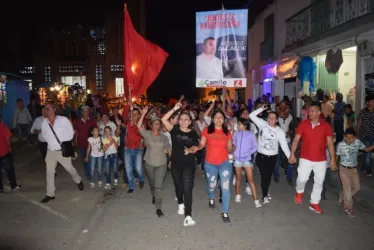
315, 28
90, 55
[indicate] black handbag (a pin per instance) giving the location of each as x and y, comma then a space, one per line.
66, 146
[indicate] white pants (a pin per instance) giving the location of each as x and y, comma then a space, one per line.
319, 170
51, 159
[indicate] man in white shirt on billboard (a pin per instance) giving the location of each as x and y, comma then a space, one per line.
209, 66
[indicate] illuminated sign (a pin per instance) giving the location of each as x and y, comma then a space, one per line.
287, 68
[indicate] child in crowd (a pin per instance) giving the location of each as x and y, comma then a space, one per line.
95, 147
110, 148
347, 151
350, 116
245, 146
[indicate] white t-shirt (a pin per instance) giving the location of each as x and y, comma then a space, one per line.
285, 125
208, 68
96, 147
201, 125
112, 149
269, 137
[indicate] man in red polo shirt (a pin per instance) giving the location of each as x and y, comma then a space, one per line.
315, 134
6, 158
83, 127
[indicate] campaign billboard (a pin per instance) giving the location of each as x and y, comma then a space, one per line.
221, 48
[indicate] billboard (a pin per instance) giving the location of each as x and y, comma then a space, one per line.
221, 48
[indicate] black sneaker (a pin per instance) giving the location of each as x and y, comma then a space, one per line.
141, 184
225, 217
212, 203
80, 186
130, 191
159, 213
276, 179
153, 200
47, 199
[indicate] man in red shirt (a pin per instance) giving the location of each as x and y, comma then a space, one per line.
315, 134
6, 158
134, 151
83, 127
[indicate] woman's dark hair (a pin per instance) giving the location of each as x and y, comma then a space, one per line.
246, 123
211, 127
350, 131
91, 133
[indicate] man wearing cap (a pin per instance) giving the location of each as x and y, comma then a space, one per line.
82, 128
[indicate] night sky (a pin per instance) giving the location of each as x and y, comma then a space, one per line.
170, 24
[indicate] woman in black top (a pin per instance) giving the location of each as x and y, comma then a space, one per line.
182, 161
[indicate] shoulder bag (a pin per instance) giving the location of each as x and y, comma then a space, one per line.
66, 146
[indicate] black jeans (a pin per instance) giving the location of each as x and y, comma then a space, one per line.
266, 165
184, 178
200, 158
43, 148
6, 162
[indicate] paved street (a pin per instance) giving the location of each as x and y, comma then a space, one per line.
94, 219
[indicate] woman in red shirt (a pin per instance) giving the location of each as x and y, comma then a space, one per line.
218, 141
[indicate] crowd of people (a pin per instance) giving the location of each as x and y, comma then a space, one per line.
221, 139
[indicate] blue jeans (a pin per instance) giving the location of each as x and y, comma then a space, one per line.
289, 170
223, 171
111, 161
133, 160
83, 152
95, 161
366, 165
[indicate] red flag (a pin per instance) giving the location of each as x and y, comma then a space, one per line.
143, 60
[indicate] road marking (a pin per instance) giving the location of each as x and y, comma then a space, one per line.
48, 209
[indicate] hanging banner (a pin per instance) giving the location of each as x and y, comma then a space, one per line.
221, 48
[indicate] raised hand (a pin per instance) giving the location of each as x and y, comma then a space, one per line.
145, 110
177, 106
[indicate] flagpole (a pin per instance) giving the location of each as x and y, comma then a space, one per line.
126, 51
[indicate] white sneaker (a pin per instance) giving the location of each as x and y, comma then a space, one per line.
92, 185
234, 180
100, 184
269, 197
257, 204
188, 221
238, 198
181, 209
115, 182
248, 190
266, 200
108, 186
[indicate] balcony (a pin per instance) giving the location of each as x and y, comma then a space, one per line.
326, 18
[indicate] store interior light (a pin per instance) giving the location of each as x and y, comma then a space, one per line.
88, 91
267, 80
57, 88
52, 89
133, 99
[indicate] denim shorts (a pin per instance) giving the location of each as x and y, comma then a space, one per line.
243, 164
